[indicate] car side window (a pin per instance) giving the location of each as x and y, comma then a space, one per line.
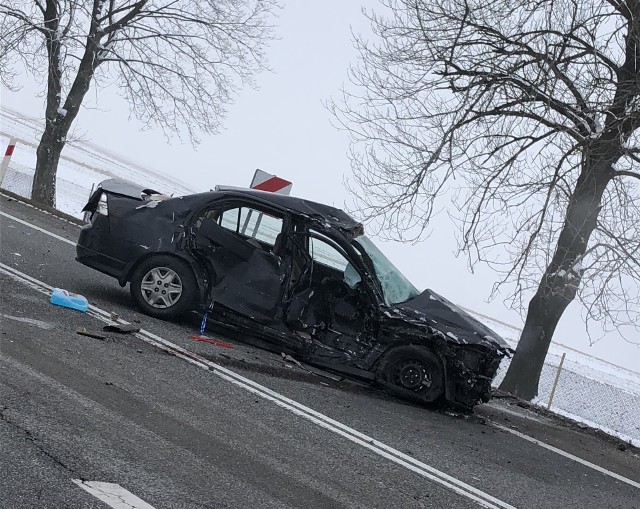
324, 253
327, 255
252, 223
229, 219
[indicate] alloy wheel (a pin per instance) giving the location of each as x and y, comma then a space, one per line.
161, 287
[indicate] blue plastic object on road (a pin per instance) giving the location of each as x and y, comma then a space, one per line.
66, 299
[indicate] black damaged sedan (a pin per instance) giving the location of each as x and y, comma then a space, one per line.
299, 275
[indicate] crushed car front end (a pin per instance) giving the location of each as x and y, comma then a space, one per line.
471, 352
470, 371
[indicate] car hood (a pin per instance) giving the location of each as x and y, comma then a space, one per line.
455, 323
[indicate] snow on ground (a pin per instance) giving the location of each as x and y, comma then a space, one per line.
589, 390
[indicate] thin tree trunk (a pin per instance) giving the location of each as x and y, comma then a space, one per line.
58, 120
559, 284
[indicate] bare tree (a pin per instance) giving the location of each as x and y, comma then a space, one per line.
523, 114
177, 62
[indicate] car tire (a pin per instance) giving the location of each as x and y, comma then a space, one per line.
163, 287
412, 372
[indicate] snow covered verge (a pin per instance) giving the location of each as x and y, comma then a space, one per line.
589, 390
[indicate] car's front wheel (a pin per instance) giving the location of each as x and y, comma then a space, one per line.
163, 287
412, 372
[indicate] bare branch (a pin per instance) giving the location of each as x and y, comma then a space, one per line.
625, 173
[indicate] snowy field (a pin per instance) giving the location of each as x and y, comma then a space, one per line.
589, 390
82, 166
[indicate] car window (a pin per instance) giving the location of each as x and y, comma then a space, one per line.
324, 253
229, 219
252, 223
327, 255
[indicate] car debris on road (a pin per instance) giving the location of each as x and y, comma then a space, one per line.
211, 341
82, 331
122, 328
298, 275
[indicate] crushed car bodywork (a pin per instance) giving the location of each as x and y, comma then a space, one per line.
302, 276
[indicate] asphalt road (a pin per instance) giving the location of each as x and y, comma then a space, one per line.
182, 432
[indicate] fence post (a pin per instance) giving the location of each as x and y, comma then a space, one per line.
7, 157
555, 382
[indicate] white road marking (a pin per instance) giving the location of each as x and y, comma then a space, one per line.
239, 380
112, 494
481, 498
58, 237
567, 455
30, 321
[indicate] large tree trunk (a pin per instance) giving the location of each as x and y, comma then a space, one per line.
47, 158
544, 313
560, 282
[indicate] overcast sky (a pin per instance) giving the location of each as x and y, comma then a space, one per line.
284, 128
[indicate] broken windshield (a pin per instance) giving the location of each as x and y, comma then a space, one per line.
396, 288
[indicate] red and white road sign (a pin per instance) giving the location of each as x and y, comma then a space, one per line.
263, 181
7, 158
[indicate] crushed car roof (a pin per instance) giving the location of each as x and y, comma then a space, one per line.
326, 214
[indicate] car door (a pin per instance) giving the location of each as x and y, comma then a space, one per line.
327, 301
239, 243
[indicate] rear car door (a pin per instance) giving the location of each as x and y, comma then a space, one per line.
239, 243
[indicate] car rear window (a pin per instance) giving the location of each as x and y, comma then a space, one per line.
253, 223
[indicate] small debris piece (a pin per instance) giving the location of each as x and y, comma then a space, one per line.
622, 446
123, 328
114, 316
205, 339
523, 404
84, 332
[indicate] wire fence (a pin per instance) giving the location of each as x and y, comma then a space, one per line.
70, 196
18, 179
587, 393
588, 389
